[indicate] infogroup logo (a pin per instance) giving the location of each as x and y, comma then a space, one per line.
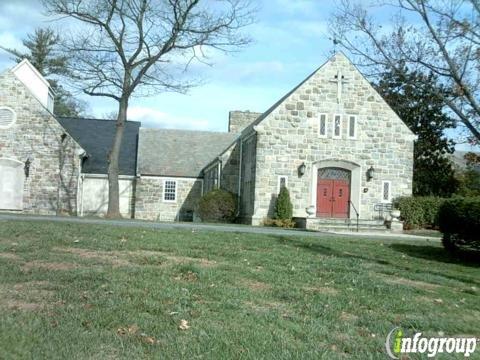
398, 344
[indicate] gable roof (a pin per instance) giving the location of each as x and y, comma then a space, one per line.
279, 102
95, 136
340, 54
182, 153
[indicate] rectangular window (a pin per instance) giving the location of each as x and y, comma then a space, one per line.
352, 127
169, 191
282, 182
386, 191
322, 125
337, 126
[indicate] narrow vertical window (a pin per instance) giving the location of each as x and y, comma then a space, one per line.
352, 127
282, 182
169, 190
386, 191
322, 126
337, 126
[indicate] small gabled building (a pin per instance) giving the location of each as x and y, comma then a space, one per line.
333, 141
39, 159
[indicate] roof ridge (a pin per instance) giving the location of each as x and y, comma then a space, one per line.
93, 119
186, 130
284, 97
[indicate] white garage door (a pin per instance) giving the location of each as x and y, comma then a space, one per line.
11, 184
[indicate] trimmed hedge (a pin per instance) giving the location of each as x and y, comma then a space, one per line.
419, 212
218, 206
460, 223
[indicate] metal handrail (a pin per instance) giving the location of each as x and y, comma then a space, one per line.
356, 212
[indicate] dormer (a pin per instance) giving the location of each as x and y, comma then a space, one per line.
35, 82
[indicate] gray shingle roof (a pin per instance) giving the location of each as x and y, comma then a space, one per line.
95, 136
182, 153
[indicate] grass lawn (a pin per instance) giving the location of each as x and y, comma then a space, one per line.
74, 291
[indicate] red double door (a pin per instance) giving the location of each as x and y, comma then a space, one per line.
333, 198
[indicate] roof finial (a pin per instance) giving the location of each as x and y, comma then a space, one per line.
335, 43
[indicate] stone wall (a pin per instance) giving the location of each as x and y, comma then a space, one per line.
51, 187
239, 120
289, 136
149, 203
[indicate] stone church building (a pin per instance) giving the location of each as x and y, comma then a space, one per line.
332, 141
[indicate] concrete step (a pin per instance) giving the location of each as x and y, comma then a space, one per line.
346, 225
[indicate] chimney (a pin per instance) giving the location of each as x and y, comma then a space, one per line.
239, 120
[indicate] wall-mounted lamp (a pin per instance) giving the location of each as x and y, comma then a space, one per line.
370, 173
301, 169
26, 167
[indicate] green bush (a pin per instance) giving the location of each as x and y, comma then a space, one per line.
460, 223
283, 206
217, 206
419, 211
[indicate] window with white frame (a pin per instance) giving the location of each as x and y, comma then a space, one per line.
337, 126
282, 182
386, 191
322, 125
169, 191
352, 126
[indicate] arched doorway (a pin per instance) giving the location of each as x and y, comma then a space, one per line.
11, 184
333, 192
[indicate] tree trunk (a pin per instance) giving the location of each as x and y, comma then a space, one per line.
113, 157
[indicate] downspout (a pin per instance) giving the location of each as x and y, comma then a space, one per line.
81, 202
219, 171
239, 176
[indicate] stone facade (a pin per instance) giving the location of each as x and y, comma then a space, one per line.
51, 184
150, 203
289, 136
239, 120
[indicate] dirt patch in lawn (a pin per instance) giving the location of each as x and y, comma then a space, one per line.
186, 259
394, 280
321, 290
255, 285
37, 264
265, 306
344, 316
27, 296
10, 256
113, 258
138, 257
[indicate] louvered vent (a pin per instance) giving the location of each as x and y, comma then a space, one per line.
7, 117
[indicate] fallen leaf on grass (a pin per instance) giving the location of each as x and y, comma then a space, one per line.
438, 301
131, 330
183, 325
149, 339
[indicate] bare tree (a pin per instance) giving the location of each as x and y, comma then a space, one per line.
135, 47
441, 37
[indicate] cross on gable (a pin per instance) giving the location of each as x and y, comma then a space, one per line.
340, 80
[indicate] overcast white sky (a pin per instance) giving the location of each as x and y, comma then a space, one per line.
290, 41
